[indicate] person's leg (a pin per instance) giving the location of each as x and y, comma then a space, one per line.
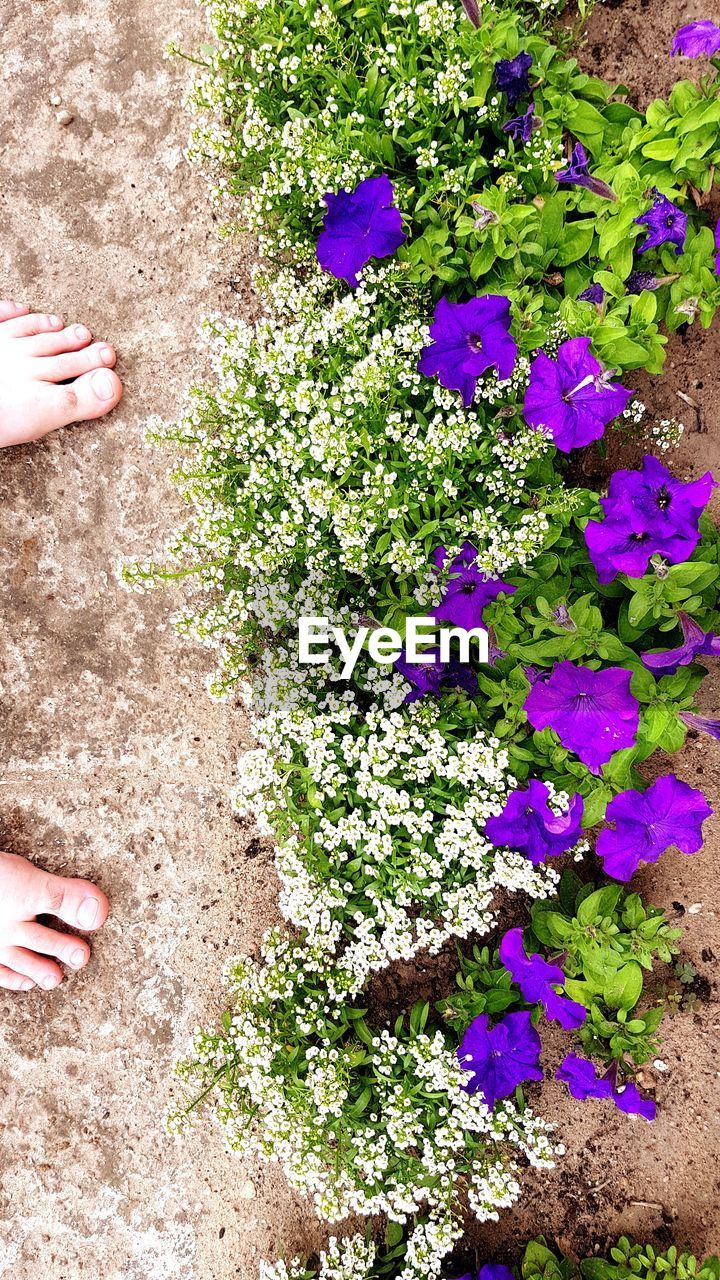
50, 376
26, 946
37, 355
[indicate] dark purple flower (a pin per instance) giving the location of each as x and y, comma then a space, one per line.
648, 822
583, 1082
577, 174
620, 544
537, 981
528, 825
581, 1078
512, 77
467, 592
430, 677
594, 293
704, 724
647, 511
592, 712
696, 642
467, 555
666, 224
521, 128
695, 39
468, 338
500, 1057
359, 225
491, 1271
628, 1098
572, 397
495, 1271
637, 281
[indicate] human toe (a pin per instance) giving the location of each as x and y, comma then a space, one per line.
71, 364
74, 952
76, 902
88, 397
43, 971
9, 310
12, 981
55, 342
27, 324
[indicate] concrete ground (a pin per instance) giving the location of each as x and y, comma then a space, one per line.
115, 764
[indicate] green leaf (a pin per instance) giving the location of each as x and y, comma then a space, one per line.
624, 987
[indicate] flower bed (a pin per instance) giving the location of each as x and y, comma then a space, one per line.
467, 243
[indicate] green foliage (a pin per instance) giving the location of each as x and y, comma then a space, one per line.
609, 940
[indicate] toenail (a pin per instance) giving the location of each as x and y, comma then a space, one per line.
77, 958
106, 355
103, 385
89, 908
27, 985
49, 982
81, 332
54, 321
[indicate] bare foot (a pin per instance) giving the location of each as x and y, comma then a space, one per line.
37, 353
25, 945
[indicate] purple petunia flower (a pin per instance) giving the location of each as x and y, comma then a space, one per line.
581, 1078
430, 677
648, 822
666, 224
521, 128
529, 826
594, 293
500, 1057
491, 1271
359, 225
620, 544
467, 555
704, 724
637, 281
628, 1098
647, 511
467, 592
577, 174
696, 642
695, 39
583, 1082
537, 981
592, 712
468, 338
571, 397
512, 77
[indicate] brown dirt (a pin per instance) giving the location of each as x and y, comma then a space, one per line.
116, 765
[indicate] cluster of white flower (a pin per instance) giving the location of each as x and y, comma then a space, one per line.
372, 1124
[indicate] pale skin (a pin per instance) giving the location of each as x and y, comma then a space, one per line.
50, 376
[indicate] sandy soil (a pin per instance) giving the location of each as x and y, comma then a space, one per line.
116, 765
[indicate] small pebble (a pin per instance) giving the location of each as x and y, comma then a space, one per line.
55, 100
695, 908
64, 118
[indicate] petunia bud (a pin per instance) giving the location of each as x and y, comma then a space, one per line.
472, 10
483, 217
